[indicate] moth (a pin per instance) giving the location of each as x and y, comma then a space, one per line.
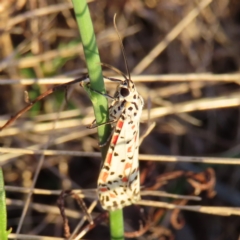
119, 181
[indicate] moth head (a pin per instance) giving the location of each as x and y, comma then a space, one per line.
126, 88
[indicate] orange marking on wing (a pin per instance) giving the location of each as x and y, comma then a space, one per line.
104, 176
129, 149
124, 179
133, 126
103, 189
127, 165
135, 137
112, 195
109, 158
135, 184
120, 124
114, 139
115, 136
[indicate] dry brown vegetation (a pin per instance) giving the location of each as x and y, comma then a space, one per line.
185, 54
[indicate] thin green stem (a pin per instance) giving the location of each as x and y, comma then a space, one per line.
93, 64
99, 102
3, 210
116, 225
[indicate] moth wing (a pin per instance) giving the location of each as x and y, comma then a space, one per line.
132, 166
112, 184
119, 181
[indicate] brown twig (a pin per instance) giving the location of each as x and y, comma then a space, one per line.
98, 220
30, 104
140, 232
164, 178
204, 181
177, 221
61, 205
82, 205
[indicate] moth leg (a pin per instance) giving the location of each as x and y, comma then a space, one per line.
94, 126
103, 94
109, 138
91, 126
96, 91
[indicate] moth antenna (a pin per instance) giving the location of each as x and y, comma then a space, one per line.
122, 47
114, 69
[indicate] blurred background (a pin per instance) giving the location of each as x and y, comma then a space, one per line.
197, 115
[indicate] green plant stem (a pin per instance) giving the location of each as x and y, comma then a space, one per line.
99, 102
3, 210
93, 65
116, 225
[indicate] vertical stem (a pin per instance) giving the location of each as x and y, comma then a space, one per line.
99, 102
116, 225
3, 210
86, 30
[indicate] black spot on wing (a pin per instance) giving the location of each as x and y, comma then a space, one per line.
135, 178
135, 104
106, 167
122, 117
123, 103
118, 131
